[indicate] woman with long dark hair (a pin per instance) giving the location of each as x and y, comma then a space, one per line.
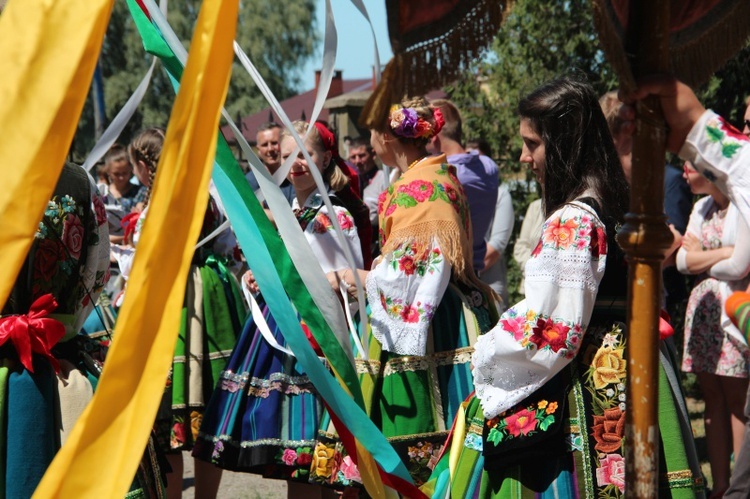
549, 412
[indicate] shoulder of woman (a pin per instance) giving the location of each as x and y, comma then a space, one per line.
578, 210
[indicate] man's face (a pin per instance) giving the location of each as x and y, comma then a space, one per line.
361, 158
746, 129
268, 148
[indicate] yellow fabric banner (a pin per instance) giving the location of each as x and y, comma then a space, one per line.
102, 453
48, 51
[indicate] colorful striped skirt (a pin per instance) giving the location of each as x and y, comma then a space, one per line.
592, 465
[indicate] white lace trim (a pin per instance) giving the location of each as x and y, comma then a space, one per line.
489, 374
395, 335
564, 269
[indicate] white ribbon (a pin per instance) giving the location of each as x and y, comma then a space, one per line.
115, 128
260, 322
299, 250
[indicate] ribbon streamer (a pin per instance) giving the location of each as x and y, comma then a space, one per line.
41, 41
116, 424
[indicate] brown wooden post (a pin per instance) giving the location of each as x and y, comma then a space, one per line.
644, 238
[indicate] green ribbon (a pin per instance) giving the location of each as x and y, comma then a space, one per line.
274, 274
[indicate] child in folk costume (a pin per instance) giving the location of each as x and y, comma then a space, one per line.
212, 316
264, 415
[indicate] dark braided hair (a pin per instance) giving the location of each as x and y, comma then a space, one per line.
146, 148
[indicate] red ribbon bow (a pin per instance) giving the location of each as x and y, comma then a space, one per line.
128, 223
34, 332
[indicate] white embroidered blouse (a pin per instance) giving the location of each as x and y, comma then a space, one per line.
537, 337
326, 245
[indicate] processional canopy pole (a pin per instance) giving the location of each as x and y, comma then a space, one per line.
689, 39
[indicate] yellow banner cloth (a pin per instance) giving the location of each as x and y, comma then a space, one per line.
102, 453
48, 51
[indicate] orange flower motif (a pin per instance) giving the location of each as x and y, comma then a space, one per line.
552, 407
561, 234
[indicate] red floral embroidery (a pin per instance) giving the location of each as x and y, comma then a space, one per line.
452, 195
407, 264
381, 201
731, 131
538, 248
72, 235
322, 224
345, 221
598, 243
515, 325
420, 190
100, 210
410, 314
549, 333
521, 423
49, 254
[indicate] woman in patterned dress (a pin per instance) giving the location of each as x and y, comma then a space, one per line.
718, 358
549, 412
427, 307
264, 414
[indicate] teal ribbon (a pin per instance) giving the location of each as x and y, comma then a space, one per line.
277, 273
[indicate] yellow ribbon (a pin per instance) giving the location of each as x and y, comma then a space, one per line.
114, 428
48, 51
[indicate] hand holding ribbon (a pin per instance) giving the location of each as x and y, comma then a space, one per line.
33, 332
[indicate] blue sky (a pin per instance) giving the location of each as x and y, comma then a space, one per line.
355, 56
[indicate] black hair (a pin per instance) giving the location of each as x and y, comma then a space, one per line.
580, 154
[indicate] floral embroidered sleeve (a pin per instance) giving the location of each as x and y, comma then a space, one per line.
326, 243
722, 154
539, 336
404, 288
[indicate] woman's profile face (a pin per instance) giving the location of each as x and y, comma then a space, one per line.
380, 145
697, 182
533, 150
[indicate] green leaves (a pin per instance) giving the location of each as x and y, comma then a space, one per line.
405, 200
495, 436
714, 134
546, 422
728, 149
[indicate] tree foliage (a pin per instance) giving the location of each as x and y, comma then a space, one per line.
278, 37
542, 39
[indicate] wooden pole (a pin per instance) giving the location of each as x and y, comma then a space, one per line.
645, 238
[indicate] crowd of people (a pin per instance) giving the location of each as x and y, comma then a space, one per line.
478, 396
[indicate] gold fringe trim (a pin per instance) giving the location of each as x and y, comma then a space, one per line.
447, 49
694, 53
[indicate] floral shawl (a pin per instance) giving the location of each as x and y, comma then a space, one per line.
426, 203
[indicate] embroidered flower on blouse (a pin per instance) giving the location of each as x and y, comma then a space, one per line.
560, 234
548, 333
728, 137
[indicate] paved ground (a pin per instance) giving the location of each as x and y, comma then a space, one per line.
236, 485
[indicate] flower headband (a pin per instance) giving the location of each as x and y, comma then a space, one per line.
406, 123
